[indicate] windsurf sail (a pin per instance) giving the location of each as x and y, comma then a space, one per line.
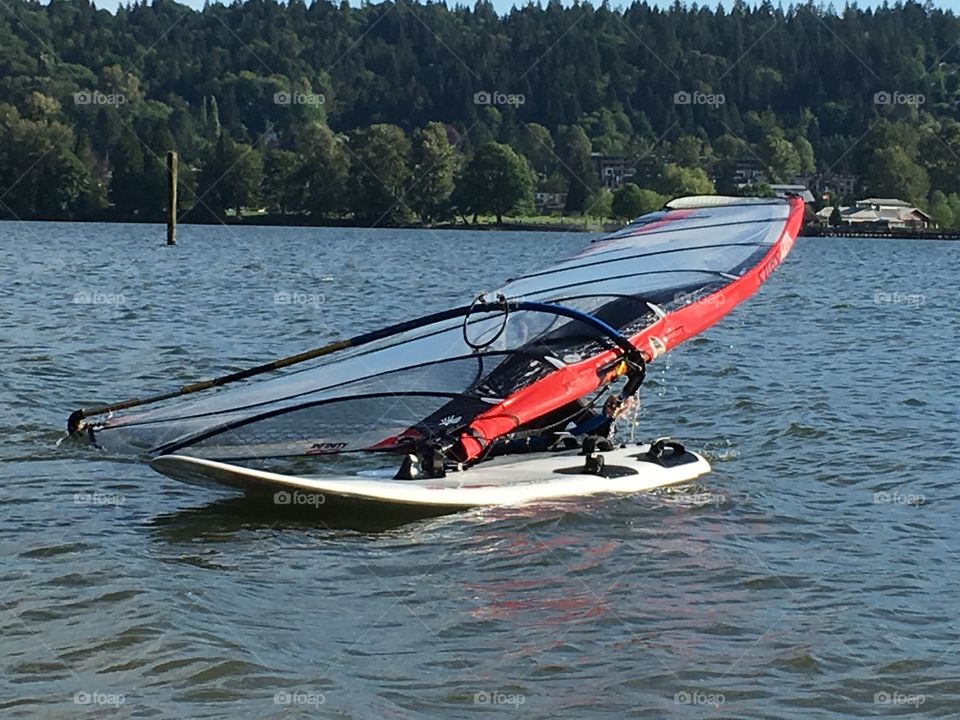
465, 378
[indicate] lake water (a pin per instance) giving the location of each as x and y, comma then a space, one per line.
813, 574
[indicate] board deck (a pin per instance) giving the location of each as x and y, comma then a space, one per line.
509, 480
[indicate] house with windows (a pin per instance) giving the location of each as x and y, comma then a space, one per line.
748, 170
550, 202
612, 170
881, 213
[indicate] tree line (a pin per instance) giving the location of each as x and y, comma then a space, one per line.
392, 112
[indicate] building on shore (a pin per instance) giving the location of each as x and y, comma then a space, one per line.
612, 170
880, 213
842, 186
548, 203
748, 170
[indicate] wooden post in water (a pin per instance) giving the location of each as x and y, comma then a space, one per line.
171, 198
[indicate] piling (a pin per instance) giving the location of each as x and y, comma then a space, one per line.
171, 198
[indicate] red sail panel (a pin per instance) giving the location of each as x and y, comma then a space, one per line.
578, 380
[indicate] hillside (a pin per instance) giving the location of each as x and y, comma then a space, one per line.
376, 113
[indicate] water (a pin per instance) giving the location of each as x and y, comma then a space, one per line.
812, 575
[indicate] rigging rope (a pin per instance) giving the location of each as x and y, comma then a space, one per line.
481, 300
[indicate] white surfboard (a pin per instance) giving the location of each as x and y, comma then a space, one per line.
508, 480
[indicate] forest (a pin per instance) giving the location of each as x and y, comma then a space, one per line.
401, 112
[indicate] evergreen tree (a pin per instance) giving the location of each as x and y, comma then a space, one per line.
379, 174
231, 178
434, 162
573, 149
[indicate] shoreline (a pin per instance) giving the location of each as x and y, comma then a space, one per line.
513, 225
302, 222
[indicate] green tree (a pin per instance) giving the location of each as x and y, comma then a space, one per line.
631, 201
762, 190
687, 150
435, 164
535, 143
231, 178
953, 199
39, 172
496, 180
781, 158
321, 177
126, 187
940, 210
676, 181
600, 203
574, 148
805, 154
379, 175
279, 193
893, 173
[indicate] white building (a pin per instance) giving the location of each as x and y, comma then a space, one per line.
882, 212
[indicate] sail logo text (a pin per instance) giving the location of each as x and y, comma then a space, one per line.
320, 448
